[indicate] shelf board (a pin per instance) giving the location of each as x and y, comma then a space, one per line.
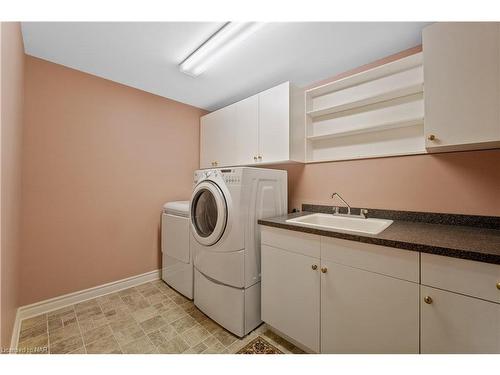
368, 75
386, 96
368, 129
373, 156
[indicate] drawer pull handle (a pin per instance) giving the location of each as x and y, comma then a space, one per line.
498, 285
314, 267
324, 269
431, 137
428, 300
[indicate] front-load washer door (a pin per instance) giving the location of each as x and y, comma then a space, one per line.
208, 213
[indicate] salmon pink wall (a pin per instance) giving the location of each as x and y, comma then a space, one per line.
12, 86
459, 182
100, 159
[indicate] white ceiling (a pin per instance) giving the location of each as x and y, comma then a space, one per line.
146, 55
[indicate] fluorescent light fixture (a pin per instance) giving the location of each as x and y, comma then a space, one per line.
224, 39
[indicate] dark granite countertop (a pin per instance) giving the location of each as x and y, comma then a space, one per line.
458, 241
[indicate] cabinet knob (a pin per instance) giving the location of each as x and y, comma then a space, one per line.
324, 269
255, 158
314, 267
260, 157
431, 137
215, 163
428, 300
498, 285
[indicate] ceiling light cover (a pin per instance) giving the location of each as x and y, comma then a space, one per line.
223, 40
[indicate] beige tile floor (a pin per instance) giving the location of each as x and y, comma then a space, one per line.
149, 318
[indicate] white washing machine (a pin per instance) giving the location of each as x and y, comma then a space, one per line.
177, 262
225, 240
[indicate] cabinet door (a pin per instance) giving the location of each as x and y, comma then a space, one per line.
290, 295
453, 323
461, 75
274, 123
226, 137
246, 148
365, 312
218, 138
208, 136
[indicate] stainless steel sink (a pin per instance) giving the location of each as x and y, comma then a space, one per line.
344, 224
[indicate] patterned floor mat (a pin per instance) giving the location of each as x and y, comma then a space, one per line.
259, 346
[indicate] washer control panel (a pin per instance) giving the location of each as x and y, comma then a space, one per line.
229, 176
201, 175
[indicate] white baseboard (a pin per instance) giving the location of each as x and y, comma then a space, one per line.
15, 332
56, 303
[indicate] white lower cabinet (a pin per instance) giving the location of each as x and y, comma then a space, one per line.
365, 312
339, 296
290, 294
454, 323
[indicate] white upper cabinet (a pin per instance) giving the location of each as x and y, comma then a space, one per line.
462, 86
264, 128
446, 98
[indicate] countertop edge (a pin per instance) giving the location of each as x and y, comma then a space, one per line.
410, 246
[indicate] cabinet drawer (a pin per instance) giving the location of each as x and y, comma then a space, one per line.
467, 277
389, 261
297, 242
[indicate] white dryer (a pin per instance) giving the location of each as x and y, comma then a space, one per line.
224, 209
177, 262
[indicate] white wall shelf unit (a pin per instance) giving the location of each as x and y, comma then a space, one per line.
375, 113
406, 111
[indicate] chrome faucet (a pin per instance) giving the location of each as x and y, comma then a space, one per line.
342, 199
362, 212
